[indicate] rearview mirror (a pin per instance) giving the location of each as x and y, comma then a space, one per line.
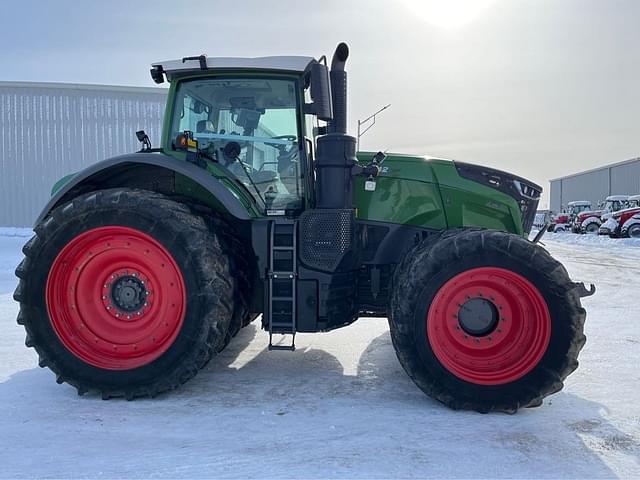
320, 93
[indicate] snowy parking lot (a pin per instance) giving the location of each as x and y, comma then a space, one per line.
340, 406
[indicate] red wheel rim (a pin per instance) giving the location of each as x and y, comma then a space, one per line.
90, 319
513, 344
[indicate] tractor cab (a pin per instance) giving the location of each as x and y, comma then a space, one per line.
254, 118
614, 203
633, 201
576, 207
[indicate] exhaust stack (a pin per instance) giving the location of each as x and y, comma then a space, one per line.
338, 78
336, 151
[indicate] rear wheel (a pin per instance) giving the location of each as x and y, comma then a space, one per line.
634, 231
485, 320
118, 298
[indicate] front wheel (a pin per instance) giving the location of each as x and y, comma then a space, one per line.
124, 292
592, 228
485, 320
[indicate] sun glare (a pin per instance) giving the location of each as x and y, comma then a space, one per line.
448, 13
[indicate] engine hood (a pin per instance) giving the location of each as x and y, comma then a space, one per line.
467, 194
590, 213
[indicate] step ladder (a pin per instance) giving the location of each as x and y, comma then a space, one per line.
282, 275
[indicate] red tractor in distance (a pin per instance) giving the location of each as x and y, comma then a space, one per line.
624, 223
559, 223
590, 221
563, 220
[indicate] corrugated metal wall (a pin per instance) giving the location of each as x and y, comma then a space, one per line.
616, 179
555, 194
50, 130
626, 178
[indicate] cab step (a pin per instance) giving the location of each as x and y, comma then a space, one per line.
282, 276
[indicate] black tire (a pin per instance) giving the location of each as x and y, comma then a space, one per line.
633, 231
242, 274
197, 253
592, 228
427, 267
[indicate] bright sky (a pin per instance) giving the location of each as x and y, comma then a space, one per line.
541, 88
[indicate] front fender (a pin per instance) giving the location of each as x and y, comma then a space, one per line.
590, 220
95, 173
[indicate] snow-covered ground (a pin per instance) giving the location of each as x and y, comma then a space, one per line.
340, 406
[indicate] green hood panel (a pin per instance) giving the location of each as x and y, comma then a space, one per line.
429, 193
406, 193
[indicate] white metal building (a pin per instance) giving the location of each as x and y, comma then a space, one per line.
48, 130
622, 178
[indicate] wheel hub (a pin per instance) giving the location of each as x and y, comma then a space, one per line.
478, 317
488, 325
116, 298
128, 293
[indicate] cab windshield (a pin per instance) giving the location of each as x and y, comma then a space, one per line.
576, 209
250, 127
613, 205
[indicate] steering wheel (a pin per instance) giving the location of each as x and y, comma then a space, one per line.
293, 138
279, 146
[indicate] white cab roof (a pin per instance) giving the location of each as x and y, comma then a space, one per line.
579, 203
634, 197
284, 63
619, 198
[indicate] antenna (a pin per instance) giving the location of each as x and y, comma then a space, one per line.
371, 118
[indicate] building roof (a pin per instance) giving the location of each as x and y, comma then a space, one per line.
604, 167
83, 86
284, 63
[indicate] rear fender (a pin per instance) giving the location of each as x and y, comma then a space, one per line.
635, 220
156, 172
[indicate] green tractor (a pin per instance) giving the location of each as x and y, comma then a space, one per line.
144, 266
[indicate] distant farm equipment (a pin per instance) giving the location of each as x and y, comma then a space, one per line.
617, 216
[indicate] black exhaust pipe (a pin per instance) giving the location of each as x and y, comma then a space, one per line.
339, 89
336, 151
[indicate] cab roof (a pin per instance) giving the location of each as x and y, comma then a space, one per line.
579, 203
619, 198
297, 64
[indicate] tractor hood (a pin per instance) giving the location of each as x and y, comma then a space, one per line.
590, 213
469, 195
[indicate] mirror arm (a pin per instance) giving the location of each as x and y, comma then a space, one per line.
371, 171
